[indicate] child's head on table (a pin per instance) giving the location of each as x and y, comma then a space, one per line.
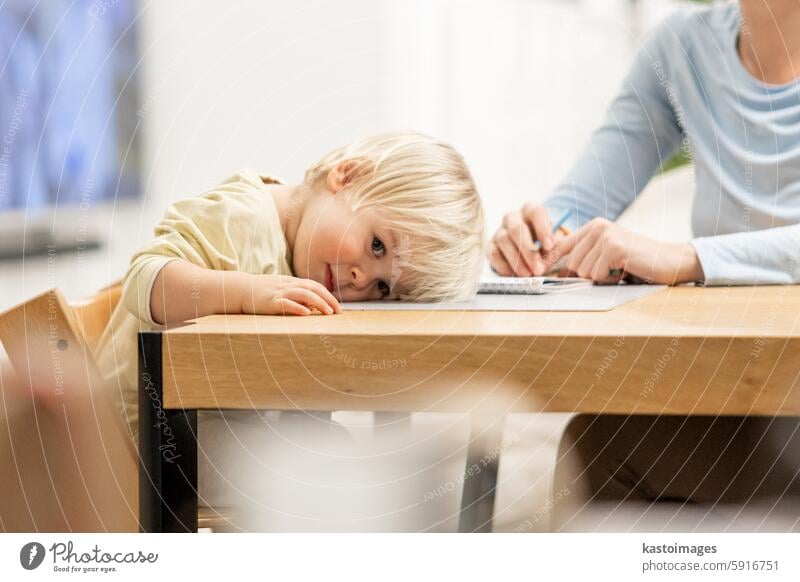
390, 216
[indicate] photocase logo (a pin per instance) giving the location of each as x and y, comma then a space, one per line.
31, 555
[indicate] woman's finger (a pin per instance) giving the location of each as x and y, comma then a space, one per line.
589, 261
498, 262
542, 228
511, 254
520, 234
601, 272
564, 246
586, 239
554, 265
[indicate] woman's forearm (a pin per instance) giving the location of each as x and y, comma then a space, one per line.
760, 257
183, 291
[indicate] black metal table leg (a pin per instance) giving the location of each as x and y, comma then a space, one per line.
480, 476
167, 450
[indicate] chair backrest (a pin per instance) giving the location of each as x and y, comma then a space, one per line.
94, 312
45, 333
50, 346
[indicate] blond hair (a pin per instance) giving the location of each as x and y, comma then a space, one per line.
430, 198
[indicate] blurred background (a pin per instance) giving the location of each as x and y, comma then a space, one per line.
112, 109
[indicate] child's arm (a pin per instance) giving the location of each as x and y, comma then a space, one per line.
183, 291
209, 255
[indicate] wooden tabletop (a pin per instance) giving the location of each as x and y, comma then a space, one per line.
723, 350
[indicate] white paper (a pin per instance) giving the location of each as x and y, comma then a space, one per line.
591, 298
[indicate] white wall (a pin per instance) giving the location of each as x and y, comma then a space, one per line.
516, 85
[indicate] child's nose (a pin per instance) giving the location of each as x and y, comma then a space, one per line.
359, 277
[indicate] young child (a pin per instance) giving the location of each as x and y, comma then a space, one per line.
392, 216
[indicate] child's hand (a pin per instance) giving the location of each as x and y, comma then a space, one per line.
284, 295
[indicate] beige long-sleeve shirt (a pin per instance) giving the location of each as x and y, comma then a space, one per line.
235, 226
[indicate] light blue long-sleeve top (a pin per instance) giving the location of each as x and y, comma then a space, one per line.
688, 88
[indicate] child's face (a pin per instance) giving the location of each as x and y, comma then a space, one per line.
351, 253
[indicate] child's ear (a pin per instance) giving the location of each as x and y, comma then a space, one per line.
346, 172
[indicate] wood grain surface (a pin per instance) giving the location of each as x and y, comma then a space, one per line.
685, 350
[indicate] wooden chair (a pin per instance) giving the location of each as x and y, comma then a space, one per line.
47, 324
51, 346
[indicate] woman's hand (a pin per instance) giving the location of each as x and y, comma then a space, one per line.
601, 248
284, 295
511, 251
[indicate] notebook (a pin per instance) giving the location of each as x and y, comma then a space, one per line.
529, 285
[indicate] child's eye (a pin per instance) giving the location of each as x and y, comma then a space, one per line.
377, 247
383, 288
